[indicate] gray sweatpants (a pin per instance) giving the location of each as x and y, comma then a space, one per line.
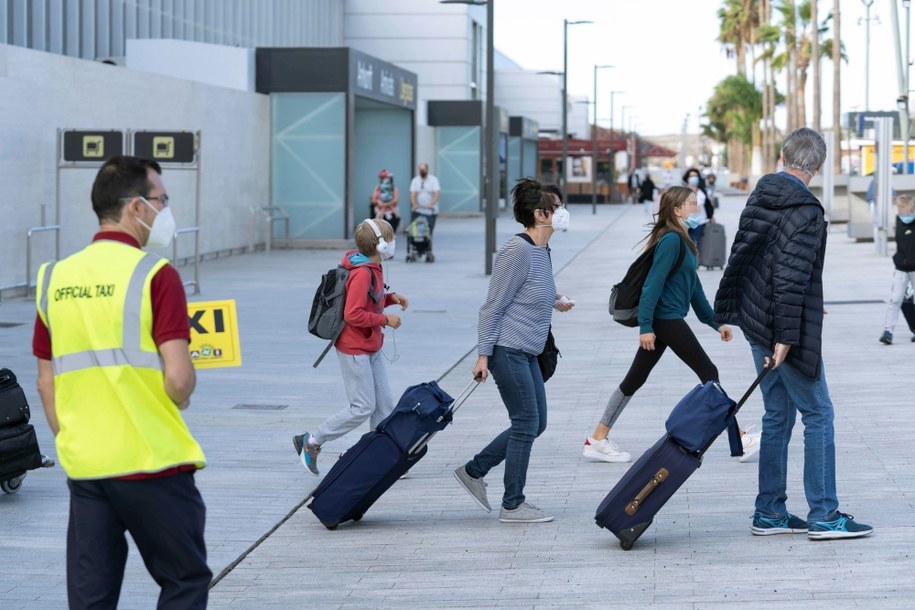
365, 379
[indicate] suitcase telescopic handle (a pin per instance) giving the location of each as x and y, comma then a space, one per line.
768, 366
462, 397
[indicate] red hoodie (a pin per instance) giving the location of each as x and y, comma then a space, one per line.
365, 320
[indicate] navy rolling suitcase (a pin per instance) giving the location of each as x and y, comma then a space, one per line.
713, 246
371, 466
630, 507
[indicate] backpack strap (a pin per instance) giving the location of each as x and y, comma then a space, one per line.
330, 343
680, 256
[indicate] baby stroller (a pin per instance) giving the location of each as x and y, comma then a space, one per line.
419, 240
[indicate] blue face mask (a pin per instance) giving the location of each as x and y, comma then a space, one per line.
907, 219
692, 221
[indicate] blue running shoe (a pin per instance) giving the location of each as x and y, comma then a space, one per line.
789, 524
838, 525
308, 452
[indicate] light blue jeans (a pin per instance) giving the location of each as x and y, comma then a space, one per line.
785, 393
520, 384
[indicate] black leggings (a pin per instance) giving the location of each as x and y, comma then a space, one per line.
678, 335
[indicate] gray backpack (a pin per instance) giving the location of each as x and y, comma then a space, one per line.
326, 318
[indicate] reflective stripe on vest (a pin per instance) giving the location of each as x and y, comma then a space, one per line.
129, 352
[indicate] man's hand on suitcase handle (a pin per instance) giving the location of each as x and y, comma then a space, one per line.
779, 353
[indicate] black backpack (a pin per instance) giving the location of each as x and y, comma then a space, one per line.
326, 318
625, 296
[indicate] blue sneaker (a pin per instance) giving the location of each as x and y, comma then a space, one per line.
308, 452
766, 526
838, 525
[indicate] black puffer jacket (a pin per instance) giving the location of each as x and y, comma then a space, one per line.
772, 287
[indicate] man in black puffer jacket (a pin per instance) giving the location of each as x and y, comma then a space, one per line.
772, 289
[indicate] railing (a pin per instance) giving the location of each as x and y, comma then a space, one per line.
274, 214
28, 253
196, 231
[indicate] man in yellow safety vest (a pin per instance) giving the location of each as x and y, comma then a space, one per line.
111, 338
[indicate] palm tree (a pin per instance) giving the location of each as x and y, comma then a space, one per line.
836, 111
737, 22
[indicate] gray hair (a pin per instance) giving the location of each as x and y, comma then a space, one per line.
804, 149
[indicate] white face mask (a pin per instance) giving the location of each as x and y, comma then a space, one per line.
561, 219
163, 227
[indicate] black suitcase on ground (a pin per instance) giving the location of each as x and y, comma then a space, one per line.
371, 466
713, 246
630, 507
19, 450
14, 408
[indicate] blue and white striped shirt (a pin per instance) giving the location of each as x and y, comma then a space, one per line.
519, 305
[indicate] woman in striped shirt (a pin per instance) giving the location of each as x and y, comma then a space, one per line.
513, 327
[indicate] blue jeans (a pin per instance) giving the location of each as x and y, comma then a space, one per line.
520, 384
785, 392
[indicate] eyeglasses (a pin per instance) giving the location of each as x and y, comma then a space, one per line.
163, 199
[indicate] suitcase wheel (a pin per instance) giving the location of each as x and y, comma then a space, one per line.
626, 545
357, 518
13, 485
411, 258
331, 526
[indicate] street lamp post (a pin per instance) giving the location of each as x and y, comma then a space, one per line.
612, 149
594, 142
491, 135
565, 96
906, 4
867, 54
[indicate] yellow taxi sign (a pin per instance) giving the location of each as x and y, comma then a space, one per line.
214, 334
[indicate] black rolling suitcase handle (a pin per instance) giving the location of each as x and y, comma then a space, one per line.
743, 399
462, 397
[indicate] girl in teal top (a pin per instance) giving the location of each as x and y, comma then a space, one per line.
665, 301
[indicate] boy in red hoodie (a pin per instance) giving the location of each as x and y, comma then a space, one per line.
359, 344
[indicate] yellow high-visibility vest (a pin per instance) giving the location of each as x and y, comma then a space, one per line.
115, 417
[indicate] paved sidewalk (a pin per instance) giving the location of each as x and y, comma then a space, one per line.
426, 543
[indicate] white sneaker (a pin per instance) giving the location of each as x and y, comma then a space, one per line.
604, 450
750, 442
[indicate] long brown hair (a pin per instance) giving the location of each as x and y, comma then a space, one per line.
667, 221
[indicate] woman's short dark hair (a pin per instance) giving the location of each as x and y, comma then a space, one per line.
549, 187
529, 195
119, 178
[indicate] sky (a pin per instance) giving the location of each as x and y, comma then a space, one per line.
667, 58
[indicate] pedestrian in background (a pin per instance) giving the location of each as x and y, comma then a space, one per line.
646, 193
113, 377
667, 295
365, 376
385, 199
424, 195
513, 327
705, 211
903, 263
772, 288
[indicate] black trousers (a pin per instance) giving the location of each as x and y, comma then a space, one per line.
165, 518
677, 335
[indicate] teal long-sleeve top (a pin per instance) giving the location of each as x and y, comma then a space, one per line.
670, 298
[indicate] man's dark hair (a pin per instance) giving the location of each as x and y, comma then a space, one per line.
119, 178
529, 195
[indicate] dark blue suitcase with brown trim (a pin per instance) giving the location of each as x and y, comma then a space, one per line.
630, 507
